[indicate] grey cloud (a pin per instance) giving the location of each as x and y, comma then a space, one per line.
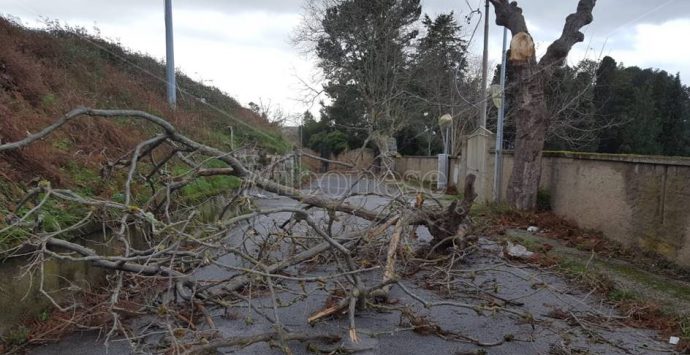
234, 6
112, 11
550, 15
609, 15
616, 18
547, 14
99, 11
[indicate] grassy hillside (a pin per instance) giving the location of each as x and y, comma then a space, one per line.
46, 73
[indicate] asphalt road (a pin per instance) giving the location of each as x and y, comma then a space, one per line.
591, 329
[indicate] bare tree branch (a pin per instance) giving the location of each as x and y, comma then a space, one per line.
571, 35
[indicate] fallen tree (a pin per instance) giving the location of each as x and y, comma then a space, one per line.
155, 240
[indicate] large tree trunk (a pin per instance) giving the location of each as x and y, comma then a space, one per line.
531, 123
532, 118
385, 157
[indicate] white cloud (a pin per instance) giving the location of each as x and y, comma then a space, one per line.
661, 45
246, 54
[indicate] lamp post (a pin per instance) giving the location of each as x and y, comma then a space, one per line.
445, 122
499, 101
485, 66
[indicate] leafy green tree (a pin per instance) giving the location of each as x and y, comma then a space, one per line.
420, 138
322, 137
439, 66
438, 81
346, 113
609, 108
362, 48
639, 134
329, 143
604, 102
651, 106
674, 134
382, 80
569, 99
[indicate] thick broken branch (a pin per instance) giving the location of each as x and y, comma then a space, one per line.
97, 260
444, 226
509, 15
571, 35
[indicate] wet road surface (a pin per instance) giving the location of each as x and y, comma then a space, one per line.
588, 325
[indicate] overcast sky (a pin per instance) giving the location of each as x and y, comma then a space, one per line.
243, 46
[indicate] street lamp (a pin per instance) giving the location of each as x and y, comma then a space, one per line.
499, 96
496, 95
445, 122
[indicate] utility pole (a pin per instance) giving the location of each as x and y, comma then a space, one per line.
170, 55
498, 165
485, 66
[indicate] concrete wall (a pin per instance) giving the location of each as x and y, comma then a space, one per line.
475, 160
640, 201
422, 168
362, 159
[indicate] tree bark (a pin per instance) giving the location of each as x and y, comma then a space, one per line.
531, 125
532, 118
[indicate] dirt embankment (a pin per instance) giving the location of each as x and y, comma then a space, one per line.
46, 73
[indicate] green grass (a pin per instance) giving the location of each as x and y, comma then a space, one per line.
55, 214
684, 325
490, 209
12, 237
273, 142
17, 335
63, 144
48, 101
58, 215
87, 181
660, 284
204, 188
619, 295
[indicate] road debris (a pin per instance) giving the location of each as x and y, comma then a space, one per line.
518, 251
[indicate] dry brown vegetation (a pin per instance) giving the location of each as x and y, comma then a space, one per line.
46, 73
640, 312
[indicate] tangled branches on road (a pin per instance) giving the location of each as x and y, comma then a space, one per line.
150, 238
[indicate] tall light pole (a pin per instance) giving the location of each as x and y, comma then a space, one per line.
170, 55
444, 123
498, 165
485, 66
